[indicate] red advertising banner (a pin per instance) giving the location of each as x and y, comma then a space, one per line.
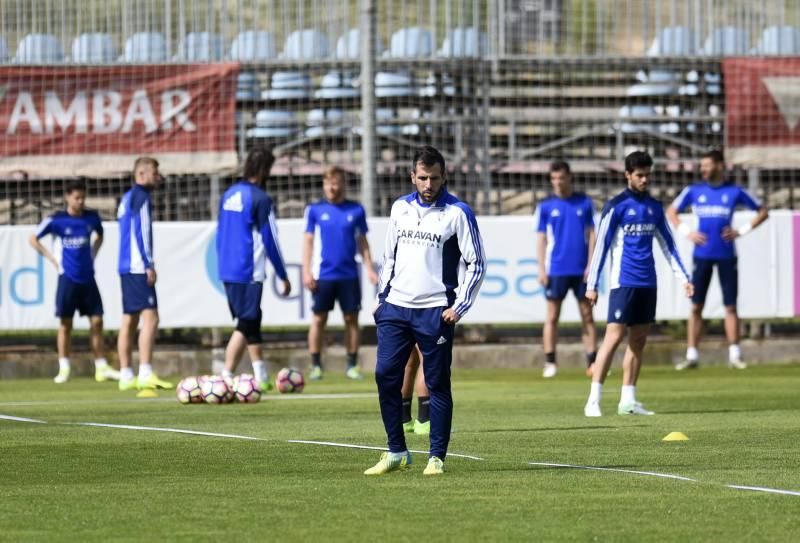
94, 121
763, 111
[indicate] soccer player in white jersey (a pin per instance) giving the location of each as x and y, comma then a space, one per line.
713, 201
420, 300
565, 240
629, 224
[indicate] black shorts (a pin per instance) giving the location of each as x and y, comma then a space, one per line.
244, 300
559, 286
632, 305
137, 295
728, 273
347, 291
81, 297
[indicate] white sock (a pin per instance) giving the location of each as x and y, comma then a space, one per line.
399, 455
734, 353
227, 374
595, 393
145, 371
100, 363
692, 355
260, 371
126, 374
63, 364
628, 395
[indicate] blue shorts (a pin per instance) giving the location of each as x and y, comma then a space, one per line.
137, 295
244, 300
632, 305
558, 286
347, 291
81, 297
728, 272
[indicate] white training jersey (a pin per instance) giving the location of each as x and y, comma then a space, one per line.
425, 245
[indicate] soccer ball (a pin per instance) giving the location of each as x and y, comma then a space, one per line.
188, 391
289, 380
246, 389
216, 390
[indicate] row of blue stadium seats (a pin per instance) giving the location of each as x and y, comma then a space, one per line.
329, 122
249, 46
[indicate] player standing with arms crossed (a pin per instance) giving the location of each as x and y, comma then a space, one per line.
420, 300
564, 243
77, 289
246, 234
629, 224
342, 226
138, 278
714, 201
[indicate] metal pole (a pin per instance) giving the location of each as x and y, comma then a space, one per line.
368, 139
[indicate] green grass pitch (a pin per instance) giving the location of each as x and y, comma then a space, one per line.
63, 482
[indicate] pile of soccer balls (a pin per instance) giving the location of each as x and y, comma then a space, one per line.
215, 389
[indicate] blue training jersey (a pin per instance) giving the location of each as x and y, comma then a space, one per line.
73, 247
565, 222
135, 215
246, 235
339, 227
714, 206
628, 225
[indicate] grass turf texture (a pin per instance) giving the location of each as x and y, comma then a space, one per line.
68, 483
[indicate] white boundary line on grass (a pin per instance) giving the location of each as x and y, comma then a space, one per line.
169, 430
22, 419
634, 472
765, 489
351, 446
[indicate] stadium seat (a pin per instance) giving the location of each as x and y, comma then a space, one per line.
247, 87
93, 48
325, 122
464, 42
254, 46
727, 41
412, 42
145, 47
348, 46
3, 49
201, 47
674, 41
299, 45
272, 123
779, 40
39, 49
337, 85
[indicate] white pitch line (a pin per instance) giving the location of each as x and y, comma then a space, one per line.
22, 419
650, 473
351, 446
333, 396
170, 430
765, 489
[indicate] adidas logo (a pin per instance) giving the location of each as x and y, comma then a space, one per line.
618, 313
441, 340
580, 212
325, 217
702, 199
632, 212
555, 213
234, 203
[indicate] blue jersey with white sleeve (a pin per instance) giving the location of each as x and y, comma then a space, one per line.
714, 206
629, 224
135, 216
72, 242
565, 222
339, 226
247, 234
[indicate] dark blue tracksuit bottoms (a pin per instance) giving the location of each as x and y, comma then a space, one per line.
399, 328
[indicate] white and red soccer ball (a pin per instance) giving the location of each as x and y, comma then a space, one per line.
216, 390
246, 389
189, 391
289, 380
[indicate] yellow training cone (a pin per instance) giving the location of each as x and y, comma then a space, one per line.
675, 436
147, 393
